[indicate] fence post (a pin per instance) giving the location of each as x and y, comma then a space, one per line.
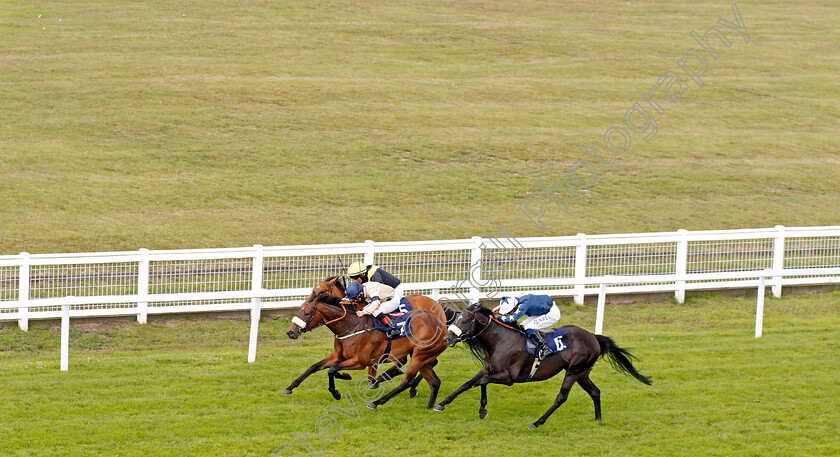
602, 303
474, 274
23, 292
143, 287
65, 335
580, 268
256, 302
759, 306
778, 260
682, 265
369, 254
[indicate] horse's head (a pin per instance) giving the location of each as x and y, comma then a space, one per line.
308, 317
468, 324
332, 285
323, 309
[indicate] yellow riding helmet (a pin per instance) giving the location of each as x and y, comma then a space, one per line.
356, 269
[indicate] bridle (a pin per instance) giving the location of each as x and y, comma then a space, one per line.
463, 335
303, 328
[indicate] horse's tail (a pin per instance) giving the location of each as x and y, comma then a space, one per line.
619, 358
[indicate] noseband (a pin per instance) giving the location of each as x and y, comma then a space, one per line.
465, 335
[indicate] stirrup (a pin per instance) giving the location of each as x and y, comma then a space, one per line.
544, 352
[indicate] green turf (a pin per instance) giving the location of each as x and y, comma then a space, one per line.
185, 124
184, 388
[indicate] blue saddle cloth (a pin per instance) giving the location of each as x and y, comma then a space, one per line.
555, 339
400, 317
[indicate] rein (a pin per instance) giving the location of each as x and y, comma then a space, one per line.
489, 321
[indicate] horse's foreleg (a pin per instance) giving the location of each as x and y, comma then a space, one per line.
481, 378
482, 411
327, 362
466, 386
333, 372
568, 382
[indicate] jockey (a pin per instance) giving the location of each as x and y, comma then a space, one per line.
374, 293
541, 312
362, 274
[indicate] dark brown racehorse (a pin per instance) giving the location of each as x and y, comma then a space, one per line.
501, 348
358, 345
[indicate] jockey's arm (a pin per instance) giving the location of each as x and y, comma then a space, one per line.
371, 307
510, 318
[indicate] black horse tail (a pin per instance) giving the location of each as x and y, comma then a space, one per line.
619, 358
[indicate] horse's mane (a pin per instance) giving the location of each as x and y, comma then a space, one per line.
477, 348
488, 313
332, 300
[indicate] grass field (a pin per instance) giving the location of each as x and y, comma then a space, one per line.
184, 388
184, 124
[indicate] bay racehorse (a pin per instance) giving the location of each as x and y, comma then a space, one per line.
335, 286
358, 345
502, 350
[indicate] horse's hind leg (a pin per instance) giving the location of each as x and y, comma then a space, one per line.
568, 382
593, 392
428, 373
411, 371
413, 391
392, 372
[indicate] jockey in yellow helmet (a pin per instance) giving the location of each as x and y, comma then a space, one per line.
371, 273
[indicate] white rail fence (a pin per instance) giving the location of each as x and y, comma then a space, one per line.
140, 283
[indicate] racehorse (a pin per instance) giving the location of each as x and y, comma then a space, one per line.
335, 286
502, 349
358, 345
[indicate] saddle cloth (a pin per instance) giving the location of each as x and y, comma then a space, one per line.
401, 318
554, 338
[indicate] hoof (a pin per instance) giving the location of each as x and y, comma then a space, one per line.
371, 405
373, 386
482, 414
412, 394
532, 426
336, 394
439, 408
287, 392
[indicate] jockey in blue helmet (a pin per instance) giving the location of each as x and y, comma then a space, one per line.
376, 294
541, 312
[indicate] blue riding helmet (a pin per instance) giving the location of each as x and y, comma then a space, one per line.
354, 290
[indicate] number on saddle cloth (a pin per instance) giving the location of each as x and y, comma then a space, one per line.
555, 339
405, 306
401, 318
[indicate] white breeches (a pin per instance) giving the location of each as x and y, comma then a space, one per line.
546, 320
389, 306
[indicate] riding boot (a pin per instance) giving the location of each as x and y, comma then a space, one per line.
392, 331
544, 351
